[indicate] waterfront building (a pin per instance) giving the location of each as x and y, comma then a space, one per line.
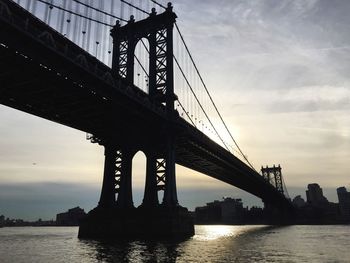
298, 201
344, 202
254, 215
71, 217
314, 195
227, 211
317, 209
2, 220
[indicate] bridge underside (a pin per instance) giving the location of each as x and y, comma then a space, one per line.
54, 79
30, 87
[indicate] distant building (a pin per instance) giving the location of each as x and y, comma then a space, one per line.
209, 214
254, 215
231, 211
227, 211
2, 221
344, 202
317, 209
298, 201
70, 218
314, 195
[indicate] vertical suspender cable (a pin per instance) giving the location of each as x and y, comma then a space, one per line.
148, 8
28, 5
88, 33
110, 41
58, 20
122, 9
211, 99
75, 24
84, 28
33, 10
62, 20
140, 5
69, 19
103, 36
130, 10
80, 25
46, 13
96, 32
50, 12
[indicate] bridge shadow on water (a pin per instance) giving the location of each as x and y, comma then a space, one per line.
214, 243
133, 250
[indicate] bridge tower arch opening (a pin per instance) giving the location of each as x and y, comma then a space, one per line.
141, 65
138, 176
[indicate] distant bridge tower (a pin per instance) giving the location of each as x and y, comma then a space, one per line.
274, 176
276, 213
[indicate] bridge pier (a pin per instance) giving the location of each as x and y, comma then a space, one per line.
277, 214
170, 193
117, 178
107, 197
150, 198
124, 191
118, 218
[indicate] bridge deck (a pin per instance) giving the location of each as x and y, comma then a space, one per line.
51, 77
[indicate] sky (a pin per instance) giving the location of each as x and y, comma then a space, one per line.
279, 73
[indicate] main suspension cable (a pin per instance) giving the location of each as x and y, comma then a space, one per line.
210, 97
187, 49
188, 116
200, 105
133, 6
158, 4
74, 13
183, 74
100, 11
206, 89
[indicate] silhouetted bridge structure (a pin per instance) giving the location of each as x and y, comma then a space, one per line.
44, 73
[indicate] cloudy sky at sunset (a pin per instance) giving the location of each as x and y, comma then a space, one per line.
279, 71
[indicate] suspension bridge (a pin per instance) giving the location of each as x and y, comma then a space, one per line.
121, 71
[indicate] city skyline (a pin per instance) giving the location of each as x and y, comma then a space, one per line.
283, 92
298, 199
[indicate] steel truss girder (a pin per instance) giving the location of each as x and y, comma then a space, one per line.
118, 170
161, 173
123, 59
161, 64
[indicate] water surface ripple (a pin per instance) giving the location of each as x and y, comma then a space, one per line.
210, 244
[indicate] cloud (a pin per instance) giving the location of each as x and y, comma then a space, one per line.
311, 99
279, 72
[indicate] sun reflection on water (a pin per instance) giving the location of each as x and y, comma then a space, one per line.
212, 232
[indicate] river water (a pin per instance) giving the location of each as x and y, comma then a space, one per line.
210, 244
